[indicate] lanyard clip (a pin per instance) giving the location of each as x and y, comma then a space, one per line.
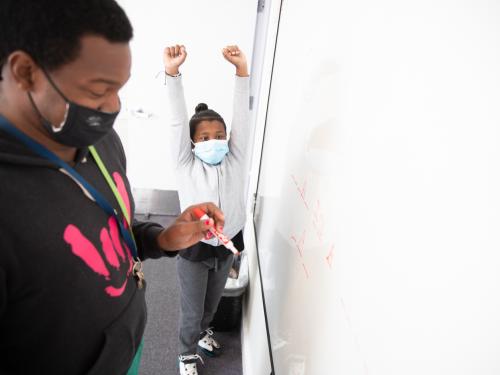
137, 273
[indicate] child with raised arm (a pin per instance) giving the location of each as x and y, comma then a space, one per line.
210, 168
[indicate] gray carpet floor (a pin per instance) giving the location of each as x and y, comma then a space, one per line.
160, 339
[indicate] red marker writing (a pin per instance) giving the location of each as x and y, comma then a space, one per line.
228, 244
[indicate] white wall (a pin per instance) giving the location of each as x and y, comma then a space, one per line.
204, 27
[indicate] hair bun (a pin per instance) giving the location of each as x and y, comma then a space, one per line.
201, 107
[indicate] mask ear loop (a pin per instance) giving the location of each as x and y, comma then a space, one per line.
43, 119
54, 85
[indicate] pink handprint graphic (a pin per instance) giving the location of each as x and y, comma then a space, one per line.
116, 253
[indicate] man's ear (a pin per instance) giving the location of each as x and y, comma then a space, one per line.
23, 69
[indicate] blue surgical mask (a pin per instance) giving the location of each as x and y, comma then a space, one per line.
212, 151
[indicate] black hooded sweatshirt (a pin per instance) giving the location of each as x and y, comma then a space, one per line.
69, 303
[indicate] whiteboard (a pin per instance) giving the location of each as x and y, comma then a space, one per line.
378, 204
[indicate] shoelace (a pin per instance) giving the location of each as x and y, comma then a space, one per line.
209, 331
190, 357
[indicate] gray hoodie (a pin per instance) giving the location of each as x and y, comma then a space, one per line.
198, 182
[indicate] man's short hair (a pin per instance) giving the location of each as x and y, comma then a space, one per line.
50, 30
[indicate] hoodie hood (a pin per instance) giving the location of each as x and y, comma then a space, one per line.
13, 151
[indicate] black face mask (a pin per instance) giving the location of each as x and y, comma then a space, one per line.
81, 127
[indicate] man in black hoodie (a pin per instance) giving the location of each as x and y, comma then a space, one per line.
71, 288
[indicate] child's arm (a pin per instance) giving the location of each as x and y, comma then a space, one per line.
173, 58
239, 140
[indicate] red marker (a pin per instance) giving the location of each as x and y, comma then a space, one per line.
225, 241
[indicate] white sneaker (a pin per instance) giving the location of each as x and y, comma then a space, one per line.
187, 364
208, 344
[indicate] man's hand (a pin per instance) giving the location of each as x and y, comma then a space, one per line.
173, 58
188, 229
236, 57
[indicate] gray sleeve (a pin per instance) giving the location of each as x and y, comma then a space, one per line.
178, 121
240, 124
